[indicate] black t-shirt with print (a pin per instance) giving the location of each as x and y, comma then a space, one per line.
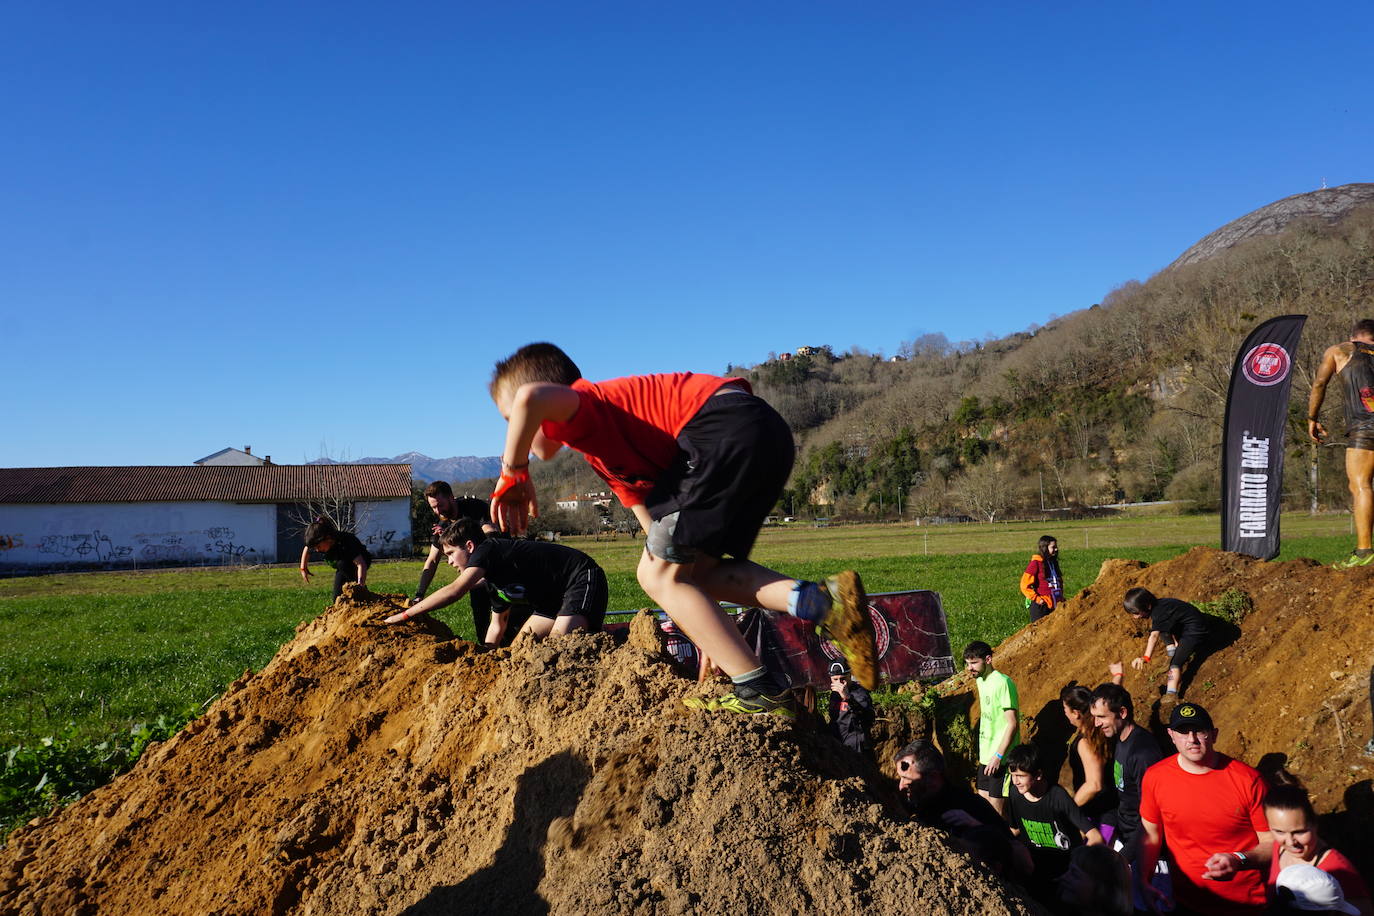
530, 572
1052, 822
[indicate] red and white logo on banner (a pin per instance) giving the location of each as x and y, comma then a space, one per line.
1266, 364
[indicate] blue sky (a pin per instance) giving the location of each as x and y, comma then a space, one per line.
313, 227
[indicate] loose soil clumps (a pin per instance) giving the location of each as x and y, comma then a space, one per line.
374, 769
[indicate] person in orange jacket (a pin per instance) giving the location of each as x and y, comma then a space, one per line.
1041, 583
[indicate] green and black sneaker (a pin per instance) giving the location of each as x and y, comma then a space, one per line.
1355, 560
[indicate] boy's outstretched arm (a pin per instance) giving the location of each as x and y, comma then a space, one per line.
444, 596
514, 501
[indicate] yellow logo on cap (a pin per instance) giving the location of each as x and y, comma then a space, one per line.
1187, 712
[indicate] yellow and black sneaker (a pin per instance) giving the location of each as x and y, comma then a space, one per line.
847, 625
760, 704
1355, 560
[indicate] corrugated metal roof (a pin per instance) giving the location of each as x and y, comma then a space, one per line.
269, 483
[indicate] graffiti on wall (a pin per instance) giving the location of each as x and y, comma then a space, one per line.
229, 549
168, 553
92, 547
382, 538
212, 545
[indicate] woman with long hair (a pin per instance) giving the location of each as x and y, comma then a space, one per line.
1090, 759
1042, 583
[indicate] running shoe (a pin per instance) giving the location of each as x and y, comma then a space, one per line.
1354, 560
760, 704
1369, 748
847, 625
1169, 699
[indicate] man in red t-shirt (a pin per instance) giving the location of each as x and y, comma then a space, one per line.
701, 462
1195, 803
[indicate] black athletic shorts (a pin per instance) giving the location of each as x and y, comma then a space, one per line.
996, 785
1363, 440
586, 596
733, 460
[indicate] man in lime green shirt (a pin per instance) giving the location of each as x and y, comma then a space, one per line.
999, 727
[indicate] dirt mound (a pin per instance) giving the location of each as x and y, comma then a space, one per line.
372, 769
1294, 680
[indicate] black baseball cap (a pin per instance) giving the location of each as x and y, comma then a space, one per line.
1190, 717
838, 668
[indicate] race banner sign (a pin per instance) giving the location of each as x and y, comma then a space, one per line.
1256, 425
910, 629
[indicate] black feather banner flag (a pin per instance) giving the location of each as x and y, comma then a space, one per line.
1256, 422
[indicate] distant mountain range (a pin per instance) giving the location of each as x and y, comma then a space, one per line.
423, 467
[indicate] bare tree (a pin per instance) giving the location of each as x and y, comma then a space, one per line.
985, 491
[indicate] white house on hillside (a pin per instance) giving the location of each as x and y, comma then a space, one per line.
106, 517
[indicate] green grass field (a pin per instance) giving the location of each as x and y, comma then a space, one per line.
104, 651
93, 666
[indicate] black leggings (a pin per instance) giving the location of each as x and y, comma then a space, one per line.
344, 573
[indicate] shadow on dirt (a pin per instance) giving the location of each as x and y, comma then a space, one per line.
544, 792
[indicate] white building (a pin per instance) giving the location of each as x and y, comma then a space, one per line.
233, 456
118, 517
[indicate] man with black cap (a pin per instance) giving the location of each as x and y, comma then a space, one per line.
1205, 811
851, 711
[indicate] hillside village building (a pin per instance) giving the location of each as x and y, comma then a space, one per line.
576, 501
130, 517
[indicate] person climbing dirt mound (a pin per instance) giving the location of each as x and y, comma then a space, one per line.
372, 769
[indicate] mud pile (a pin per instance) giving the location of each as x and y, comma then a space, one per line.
1291, 687
371, 769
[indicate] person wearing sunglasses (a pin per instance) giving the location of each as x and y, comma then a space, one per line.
967, 817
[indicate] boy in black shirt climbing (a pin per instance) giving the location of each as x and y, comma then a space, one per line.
564, 588
341, 549
1177, 621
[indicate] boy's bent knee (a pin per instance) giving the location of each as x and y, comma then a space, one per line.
656, 574
651, 574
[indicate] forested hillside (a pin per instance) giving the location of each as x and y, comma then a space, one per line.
1120, 401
